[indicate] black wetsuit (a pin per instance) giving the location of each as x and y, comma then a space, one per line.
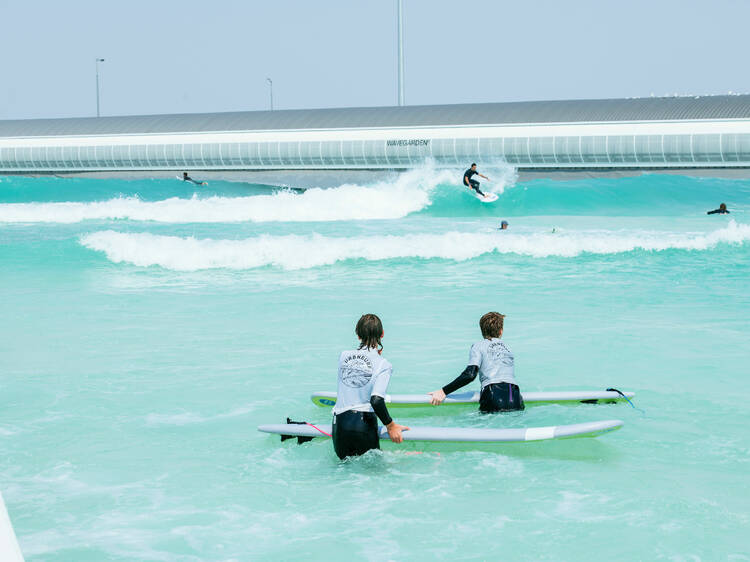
188, 178
495, 397
474, 184
718, 212
355, 433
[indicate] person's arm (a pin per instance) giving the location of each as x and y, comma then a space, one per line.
482, 175
712, 212
468, 375
377, 401
378, 404
394, 429
466, 180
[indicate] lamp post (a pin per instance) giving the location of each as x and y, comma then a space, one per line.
270, 84
400, 26
97, 84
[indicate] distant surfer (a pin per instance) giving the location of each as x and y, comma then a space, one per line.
362, 384
503, 225
474, 184
493, 362
186, 177
722, 210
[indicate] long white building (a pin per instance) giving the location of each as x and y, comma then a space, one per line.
648, 133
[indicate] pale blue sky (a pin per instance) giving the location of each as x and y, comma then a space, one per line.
165, 56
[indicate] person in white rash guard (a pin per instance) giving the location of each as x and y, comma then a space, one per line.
493, 361
363, 379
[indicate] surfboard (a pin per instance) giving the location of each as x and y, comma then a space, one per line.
488, 197
461, 434
9, 549
328, 399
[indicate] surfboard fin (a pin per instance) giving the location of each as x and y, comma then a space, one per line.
300, 439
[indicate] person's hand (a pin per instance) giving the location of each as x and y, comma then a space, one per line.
394, 431
436, 397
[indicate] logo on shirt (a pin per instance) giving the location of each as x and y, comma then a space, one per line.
500, 352
356, 370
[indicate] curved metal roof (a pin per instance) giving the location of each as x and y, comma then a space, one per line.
571, 111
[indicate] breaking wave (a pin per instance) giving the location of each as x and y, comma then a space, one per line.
301, 252
404, 194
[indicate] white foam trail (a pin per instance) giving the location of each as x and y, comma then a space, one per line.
406, 193
300, 252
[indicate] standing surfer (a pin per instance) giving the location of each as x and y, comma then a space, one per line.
362, 384
493, 362
474, 184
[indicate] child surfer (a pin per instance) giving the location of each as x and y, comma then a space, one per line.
362, 383
493, 361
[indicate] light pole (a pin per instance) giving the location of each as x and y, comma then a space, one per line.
97, 85
270, 84
400, 25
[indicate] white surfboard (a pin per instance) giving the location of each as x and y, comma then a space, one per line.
488, 197
328, 399
9, 549
461, 434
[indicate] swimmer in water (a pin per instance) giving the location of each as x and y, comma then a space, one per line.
493, 362
186, 177
503, 225
360, 400
722, 210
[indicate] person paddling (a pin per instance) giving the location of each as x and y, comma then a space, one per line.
722, 210
186, 177
493, 362
363, 379
474, 184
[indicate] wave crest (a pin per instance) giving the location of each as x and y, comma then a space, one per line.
406, 193
301, 252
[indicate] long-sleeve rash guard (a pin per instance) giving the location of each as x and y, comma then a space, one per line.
469, 374
378, 404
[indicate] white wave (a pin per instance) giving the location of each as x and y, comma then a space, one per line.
300, 252
406, 193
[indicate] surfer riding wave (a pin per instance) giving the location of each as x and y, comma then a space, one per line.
474, 184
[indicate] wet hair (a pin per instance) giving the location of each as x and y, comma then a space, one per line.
491, 325
369, 330
723, 206
473, 164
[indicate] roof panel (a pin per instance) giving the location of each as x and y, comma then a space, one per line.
564, 111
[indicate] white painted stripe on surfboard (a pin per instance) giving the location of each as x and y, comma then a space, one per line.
538, 433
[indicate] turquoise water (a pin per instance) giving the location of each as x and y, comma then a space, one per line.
149, 328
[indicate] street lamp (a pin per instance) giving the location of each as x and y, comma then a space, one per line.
400, 34
270, 84
97, 85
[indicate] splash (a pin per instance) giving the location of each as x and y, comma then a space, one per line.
301, 252
404, 194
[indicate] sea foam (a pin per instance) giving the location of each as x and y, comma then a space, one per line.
314, 250
404, 194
